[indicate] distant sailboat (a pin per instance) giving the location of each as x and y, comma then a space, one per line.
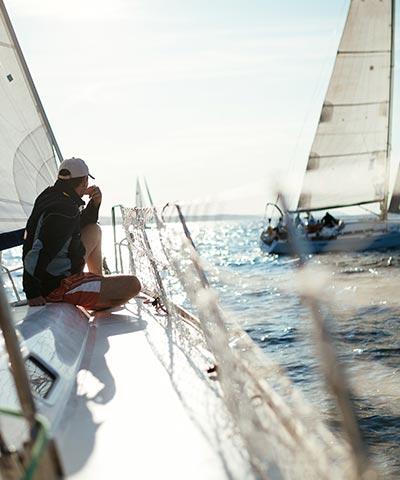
349, 162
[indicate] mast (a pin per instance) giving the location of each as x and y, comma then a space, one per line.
385, 203
29, 78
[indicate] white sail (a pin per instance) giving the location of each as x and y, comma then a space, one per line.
349, 156
27, 159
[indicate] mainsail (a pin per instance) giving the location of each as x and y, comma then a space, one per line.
348, 163
27, 156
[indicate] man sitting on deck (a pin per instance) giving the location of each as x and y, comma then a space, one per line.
60, 237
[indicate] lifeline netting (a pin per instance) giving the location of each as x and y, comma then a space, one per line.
283, 436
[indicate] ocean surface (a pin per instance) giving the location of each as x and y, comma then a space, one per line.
359, 294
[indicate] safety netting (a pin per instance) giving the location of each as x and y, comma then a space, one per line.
283, 436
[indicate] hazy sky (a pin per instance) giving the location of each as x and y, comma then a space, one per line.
207, 99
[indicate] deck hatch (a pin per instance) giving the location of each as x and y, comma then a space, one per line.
41, 378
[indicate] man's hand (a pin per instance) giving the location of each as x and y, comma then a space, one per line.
36, 302
94, 194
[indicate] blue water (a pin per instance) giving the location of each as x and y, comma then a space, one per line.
259, 291
364, 316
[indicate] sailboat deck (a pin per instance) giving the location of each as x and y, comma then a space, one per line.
141, 404
138, 415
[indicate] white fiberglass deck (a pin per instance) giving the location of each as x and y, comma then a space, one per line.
145, 408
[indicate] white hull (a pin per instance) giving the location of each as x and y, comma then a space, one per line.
356, 237
130, 401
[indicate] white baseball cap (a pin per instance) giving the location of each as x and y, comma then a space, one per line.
76, 168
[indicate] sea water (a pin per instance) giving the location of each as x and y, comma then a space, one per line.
362, 291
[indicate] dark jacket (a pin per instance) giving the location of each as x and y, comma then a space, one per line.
52, 246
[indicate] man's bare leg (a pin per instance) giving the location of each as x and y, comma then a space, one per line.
116, 290
91, 239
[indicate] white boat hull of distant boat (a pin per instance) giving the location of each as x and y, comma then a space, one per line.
366, 236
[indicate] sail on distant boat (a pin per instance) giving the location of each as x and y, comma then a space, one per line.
349, 161
27, 145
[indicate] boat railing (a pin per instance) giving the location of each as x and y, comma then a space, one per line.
8, 272
269, 210
264, 414
119, 245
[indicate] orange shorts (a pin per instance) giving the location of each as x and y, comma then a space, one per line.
80, 289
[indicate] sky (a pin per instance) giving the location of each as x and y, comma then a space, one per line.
214, 102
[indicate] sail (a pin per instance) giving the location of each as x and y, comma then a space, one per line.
348, 160
28, 162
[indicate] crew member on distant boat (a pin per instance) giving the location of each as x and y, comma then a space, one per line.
310, 220
271, 231
62, 236
329, 220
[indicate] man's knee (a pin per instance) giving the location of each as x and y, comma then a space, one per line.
133, 286
119, 288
